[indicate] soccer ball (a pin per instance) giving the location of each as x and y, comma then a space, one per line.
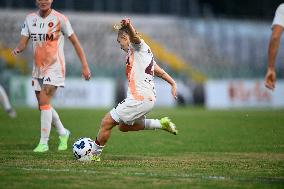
82, 149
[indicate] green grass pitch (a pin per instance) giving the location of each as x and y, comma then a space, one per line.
214, 149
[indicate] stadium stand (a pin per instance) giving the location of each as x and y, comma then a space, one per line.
216, 48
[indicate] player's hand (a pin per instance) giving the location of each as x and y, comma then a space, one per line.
86, 74
174, 91
15, 52
125, 22
270, 78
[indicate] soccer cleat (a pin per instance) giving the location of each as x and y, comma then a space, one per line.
41, 148
169, 126
96, 158
63, 141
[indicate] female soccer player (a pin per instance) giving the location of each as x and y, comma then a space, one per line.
46, 29
129, 114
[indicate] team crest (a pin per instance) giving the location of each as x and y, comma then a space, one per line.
50, 24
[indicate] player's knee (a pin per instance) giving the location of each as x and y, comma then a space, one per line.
43, 101
43, 104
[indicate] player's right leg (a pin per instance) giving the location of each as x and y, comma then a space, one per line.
103, 135
63, 132
56, 80
44, 99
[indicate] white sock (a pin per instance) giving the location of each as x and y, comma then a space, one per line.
4, 99
57, 123
45, 119
152, 124
97, 149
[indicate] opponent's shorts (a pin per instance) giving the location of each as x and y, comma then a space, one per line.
131, 111
48, 80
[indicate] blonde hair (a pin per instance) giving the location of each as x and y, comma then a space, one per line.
123, 30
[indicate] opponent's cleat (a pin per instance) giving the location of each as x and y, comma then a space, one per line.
169, 126
63, 141
96, 158
41, 148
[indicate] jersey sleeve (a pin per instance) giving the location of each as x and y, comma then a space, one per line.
67, 29
25, 30
279, 16
154, 62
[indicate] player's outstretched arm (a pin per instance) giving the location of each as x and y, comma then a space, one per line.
80, 52
134, 37
270, 77
21, 45
165, 76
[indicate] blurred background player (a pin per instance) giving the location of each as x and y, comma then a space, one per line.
46, 28
141, 96
277, 30
4, 101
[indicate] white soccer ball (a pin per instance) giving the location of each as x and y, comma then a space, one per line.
82, 149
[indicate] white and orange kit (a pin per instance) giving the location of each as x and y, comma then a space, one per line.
47, 35
141, 94
279, 16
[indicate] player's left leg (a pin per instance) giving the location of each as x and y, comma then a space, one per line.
63, 132
4, 100
150, 124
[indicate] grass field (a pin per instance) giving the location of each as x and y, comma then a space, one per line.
214, 149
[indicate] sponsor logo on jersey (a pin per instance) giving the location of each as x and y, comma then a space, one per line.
42, 37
